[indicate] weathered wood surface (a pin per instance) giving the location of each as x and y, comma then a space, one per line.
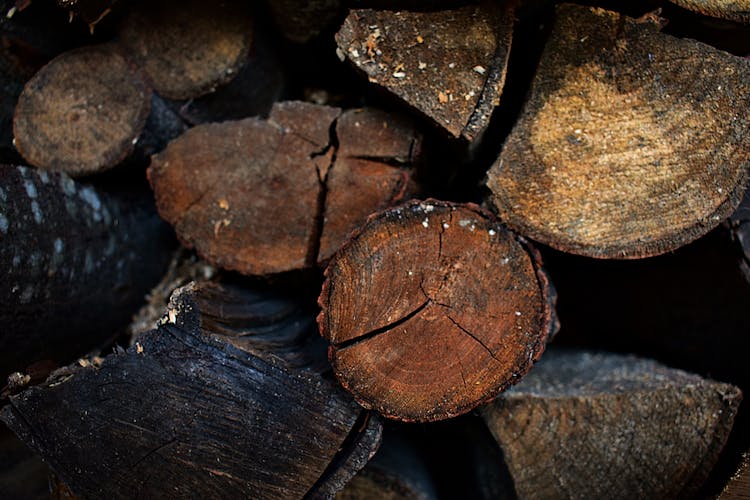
268, 196
449, 65
184, 412
82, 112
432, 308
188, 50
738, 487
77, 263
632, 143
734, 10
585, 425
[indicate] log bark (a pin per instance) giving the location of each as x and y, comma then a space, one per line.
632, 143
81, 113
734, 10
449, 65
429, 324
207, 184
585, 425
74, 252
184, 412
190, 50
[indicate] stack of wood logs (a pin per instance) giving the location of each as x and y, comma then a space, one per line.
319, 300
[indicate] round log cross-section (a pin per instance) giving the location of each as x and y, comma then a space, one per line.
431, 309
81, 113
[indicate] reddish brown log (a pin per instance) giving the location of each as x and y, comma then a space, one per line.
449, 65
81, 113
255, 196
431, 309
584, 425
190, 49
632, 143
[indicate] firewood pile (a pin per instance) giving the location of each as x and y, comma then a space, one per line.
374, 249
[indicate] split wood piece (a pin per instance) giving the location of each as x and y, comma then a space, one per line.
449, 65
585, 425
397, 471
185, 413
302, 20
431, 309
631, 144
72, 252
190, 50
81, 113
734, 10
226, 187
260, 320
738, 487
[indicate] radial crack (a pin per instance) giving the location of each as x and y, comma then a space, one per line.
477, 339
382, 329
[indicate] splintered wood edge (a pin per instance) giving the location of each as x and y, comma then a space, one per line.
549, 322
635, 248
36, 146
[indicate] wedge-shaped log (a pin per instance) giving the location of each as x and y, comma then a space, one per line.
76, 263
449, 65
586, 425
432, 308
186, 413
632, 142
267, 196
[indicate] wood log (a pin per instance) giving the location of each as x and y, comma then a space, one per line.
631, 144
81, 113
206, 184
734, 10
184, 412
397, 471
190, 50
585, 425
433, 308
75, 252
449, 65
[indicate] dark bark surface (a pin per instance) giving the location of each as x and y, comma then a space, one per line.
585, 425
184, 412
77, 263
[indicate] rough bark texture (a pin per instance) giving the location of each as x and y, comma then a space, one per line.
77, 264
185, 413
227, 187
449, 65
585, 425
431, 309
81, 113
397, 471
735, 10
190, 49
302, 20
632, 143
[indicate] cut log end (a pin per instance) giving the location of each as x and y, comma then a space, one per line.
449, 65
82, 112
621, 151
431, 309
584, 425
188, 50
